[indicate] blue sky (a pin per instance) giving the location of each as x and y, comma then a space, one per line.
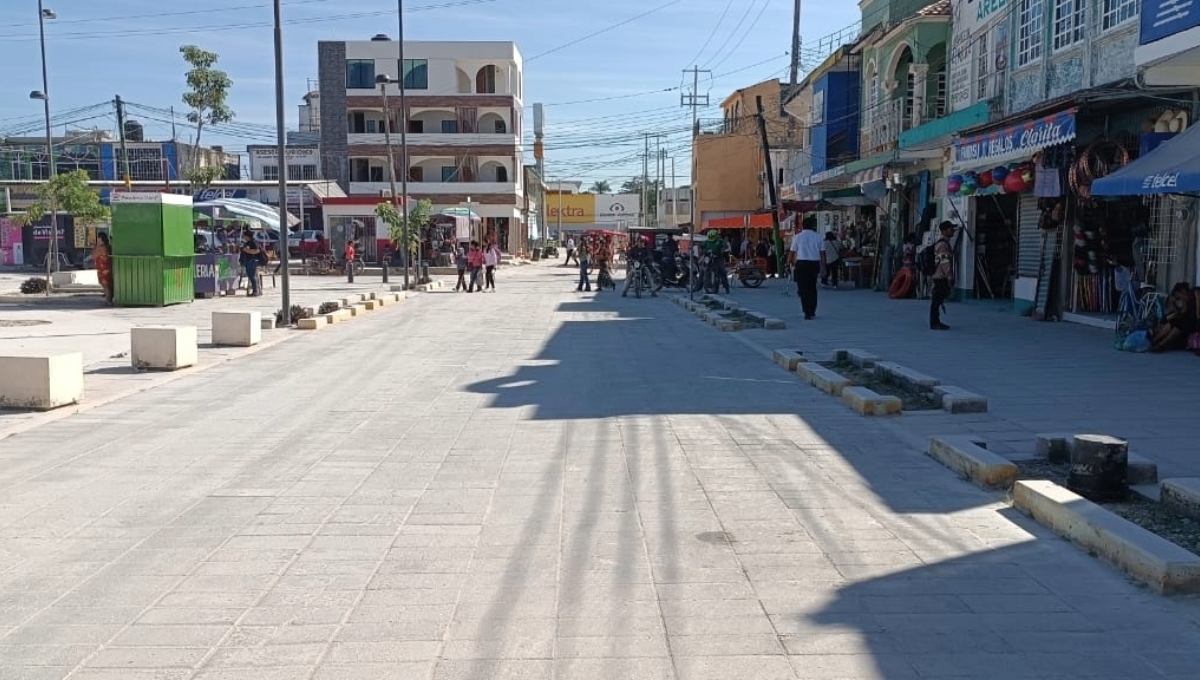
602, 92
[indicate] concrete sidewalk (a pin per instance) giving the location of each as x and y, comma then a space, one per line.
1038, 376
81, 324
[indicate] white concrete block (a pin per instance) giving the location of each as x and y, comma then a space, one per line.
824, 379
41, 382
774, 324
916, 380
167, 348
1140, 470
358, 309
77, 277
958, 400
788, 359
237, 329
1182, 495
1147, 557
867, 402
268, 323
861, 358
311, 323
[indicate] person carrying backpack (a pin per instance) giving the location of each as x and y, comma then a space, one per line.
939, 259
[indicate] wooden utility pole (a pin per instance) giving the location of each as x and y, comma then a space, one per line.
770, 178
795, 76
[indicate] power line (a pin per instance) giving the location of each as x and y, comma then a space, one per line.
749, 30
711, 34
604, 30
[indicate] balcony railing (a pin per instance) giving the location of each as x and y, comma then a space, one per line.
464, 139
436, 188
884, 124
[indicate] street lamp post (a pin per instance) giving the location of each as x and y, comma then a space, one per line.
403, 140
383, 81
44, 95
281, 151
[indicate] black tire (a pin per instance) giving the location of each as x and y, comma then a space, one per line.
712, 283
752, 279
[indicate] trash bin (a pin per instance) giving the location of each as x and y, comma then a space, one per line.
423, 272
537, 254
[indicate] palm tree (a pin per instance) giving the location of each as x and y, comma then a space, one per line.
601, 187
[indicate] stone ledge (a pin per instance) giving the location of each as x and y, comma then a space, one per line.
1140, 470
788, 359
312, 323
965, 456
268, 323
824, 379
728, 325
914, 380
1182, 495
958, 400
166, 348
1145, 556
1056, 448
41, 382
867, 402
757, 317
338, 316
858, 357
358, 309
372, 304
774, 324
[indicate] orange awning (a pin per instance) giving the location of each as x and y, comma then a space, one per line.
757, 221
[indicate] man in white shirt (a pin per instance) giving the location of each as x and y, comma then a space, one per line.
805, 256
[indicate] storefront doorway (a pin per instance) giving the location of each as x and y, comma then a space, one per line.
995, 246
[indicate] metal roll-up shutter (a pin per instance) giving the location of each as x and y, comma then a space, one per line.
1029, 237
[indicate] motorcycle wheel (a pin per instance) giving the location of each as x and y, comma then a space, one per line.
753, 279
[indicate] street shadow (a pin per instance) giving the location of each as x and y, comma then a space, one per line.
646, 357
1034, 608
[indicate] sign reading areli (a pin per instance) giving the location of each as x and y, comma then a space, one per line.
1014, 143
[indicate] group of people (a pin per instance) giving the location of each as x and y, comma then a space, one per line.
474, 260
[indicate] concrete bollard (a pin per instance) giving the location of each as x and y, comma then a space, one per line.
1098, 467
237, 329
167, 348
41, 382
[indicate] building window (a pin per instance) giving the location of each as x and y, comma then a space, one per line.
1069, 24
302, 172
449, 173
270, 173
416, 74
982, 57
416, 174
501, 127
1117, 12
416, 127
485, 80
449, 126
360, 74
502, 174
1029, 31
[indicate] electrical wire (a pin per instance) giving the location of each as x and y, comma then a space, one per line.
712, 34
604, 30
746, 34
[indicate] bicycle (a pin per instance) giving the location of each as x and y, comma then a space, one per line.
1141, 307
320, 265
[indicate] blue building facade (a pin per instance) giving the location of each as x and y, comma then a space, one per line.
836, 99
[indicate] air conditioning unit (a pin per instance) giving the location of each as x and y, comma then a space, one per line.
385, 193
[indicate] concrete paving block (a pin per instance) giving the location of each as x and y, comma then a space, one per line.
79, 278
237, 329
372, 304
757, 317
1055, 447
348, 301
890, 370
788, 359
396, 287
1140, 470
774, 324
867, 402
312, 323
1145, 556
41, 382
167, 348
358, 309
728, 325
861, 358
966, 457
267, 323
958, 400
824, 379
1182, 494
338, 316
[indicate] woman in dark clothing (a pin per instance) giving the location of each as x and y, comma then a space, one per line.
250, 257
1179, 321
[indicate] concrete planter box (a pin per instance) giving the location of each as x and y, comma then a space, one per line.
166, 348
42, 382
237, 329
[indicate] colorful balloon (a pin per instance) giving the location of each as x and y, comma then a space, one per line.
985, 179
954, 184
999, 173
1014, 183
968, 189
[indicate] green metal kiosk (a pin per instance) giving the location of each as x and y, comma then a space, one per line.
153, 249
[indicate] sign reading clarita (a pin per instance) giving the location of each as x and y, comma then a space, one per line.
1016, 142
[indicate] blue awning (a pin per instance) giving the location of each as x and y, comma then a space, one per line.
1171, 168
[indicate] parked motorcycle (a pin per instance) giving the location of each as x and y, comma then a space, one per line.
678, 277
748, 274
709, 279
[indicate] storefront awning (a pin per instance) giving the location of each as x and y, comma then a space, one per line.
1013, 143
250, 209
1171, 168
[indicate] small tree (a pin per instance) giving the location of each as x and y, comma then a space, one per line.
202, 176
208, 92
419, 215
67, 193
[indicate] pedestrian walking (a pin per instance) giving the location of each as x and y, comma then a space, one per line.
807, 255
460, 262
251, 256
833, 260
102, 259
571, 252
491, 260
943, 276
584, 258
475, 265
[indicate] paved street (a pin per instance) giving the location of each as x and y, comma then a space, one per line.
1038, 376
543, 484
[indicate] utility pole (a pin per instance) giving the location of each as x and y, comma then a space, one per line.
770, 176
403, 143
795, 76
646, 181
281, 153
693, 100
124, 148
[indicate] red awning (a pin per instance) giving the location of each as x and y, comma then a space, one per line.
758, 221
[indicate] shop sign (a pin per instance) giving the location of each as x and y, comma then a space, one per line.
826, 175
1164, 18
42, 233
1163, 180
214, 194
1016, 142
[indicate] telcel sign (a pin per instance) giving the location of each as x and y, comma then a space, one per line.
591, 208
